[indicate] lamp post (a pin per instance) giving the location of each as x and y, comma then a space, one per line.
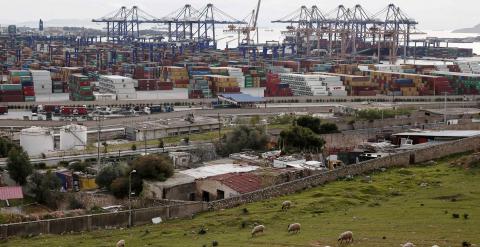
145, 138
130, 197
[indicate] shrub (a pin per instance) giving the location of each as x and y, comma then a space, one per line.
154, 166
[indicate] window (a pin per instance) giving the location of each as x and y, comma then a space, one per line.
220, 194
191, 197
205, 196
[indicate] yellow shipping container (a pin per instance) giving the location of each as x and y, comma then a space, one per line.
87, 183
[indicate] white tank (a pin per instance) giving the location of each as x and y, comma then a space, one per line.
36, 140
73, 137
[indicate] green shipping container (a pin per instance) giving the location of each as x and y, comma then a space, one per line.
29, 98
11, 87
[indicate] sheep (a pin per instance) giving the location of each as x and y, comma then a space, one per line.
435, 246
286, 205
408, 244
121, 243
346, 236
258, 229
295, 227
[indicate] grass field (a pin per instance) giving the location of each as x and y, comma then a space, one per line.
385, 209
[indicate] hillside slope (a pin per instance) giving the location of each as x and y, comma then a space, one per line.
384, 209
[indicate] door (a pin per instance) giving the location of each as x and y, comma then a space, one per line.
205, 196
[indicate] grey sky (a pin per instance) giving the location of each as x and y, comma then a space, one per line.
432, 14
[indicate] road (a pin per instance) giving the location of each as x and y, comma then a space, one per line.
54, 160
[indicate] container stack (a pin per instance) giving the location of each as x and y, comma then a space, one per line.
122, 87
65, 75
80, 88
275, 87
462, 83
11, 93
177, 75
222, 84
469, 67
356, 85
305, 85
42, 82
199, 88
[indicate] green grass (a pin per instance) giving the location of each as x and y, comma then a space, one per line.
389, 208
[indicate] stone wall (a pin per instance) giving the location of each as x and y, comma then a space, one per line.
100, 221
394, 160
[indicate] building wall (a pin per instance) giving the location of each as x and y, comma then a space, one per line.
211, 186
182, 192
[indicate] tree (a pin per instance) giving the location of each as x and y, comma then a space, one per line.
106, 176
79, 166
5, 147
309, 122
154, 166
255, 120
328, 128
45, 188
244, 137
161, 144
120, 186
19, 166
134, 147
300, 139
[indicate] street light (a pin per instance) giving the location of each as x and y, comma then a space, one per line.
130, 197
145, 138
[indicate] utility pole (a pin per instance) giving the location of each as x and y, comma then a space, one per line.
99, 127
219, 127
445, 110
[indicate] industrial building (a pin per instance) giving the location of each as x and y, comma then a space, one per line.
153, 130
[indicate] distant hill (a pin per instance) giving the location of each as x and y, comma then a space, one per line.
475, 29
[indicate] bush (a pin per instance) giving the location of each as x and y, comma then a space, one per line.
134, 147
106, 176
119, 186
299, 139
78, 166
309, 122
159, 167
328, 128
40, 166
244, 137
63, 163
46, 189
19, 166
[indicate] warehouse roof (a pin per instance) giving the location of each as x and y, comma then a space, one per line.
240, 98
442, 133
215, 170
240, 182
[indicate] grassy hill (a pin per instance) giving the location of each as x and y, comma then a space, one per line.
383, 209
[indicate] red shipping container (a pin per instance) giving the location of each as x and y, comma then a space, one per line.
12, 98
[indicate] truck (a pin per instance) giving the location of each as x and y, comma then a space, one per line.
3, 110
74, 110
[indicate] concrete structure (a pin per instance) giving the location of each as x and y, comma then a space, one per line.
36, 140
73, 137
153, 130
178, 187
214, 170
419, 137
180, 159
284, 162
227, 185
122, 87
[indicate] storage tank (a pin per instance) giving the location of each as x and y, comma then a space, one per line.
73, 137
36, 140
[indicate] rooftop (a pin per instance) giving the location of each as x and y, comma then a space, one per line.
240, 182
13, 192
175, 180
442, 133
241, 98
215, 170
175, 123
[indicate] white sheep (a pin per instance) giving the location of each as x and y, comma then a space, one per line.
258, 229
435, 246
286, 205
346, 236
295, 227
121, 243
408, 244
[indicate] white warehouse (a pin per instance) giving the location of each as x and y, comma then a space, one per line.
122, 87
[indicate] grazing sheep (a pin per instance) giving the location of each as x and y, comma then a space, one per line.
346, 236
435, 246
258, 229
408, 244
121, 243
295, 227
286, 205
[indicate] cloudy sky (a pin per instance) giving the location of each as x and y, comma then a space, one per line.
432, 14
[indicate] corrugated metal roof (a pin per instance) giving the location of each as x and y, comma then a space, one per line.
242, 98
240, 182
214, 170
444, 133
13, 192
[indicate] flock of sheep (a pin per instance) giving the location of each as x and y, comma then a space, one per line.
344, 238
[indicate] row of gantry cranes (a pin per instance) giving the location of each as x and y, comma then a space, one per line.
340, 33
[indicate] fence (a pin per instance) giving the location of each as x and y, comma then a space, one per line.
100, 221
144, 216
